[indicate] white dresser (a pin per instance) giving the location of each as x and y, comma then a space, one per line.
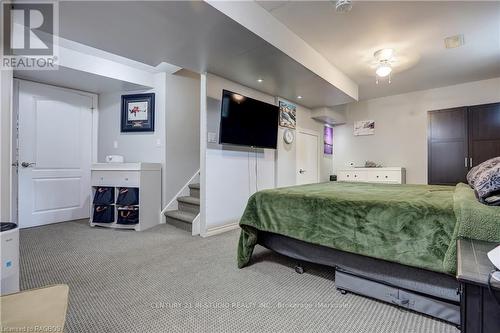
145, 178
373, 175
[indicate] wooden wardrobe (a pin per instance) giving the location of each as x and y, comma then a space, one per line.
459, 139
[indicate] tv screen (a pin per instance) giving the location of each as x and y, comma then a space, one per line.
245, 121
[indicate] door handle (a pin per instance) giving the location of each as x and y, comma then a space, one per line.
301, 171
27, 164
470, 162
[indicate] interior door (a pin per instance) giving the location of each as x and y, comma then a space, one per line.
484, 133
447, 146
54, 154
307, 157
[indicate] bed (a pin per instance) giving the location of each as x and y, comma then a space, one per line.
404, 235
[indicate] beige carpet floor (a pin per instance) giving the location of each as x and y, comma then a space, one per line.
164, 280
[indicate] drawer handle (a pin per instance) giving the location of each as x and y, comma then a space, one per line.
126, 179
347, 176
386, 176
377, 176
355, 176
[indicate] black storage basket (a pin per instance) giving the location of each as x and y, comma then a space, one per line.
104, 196
103, 214
128, 216
128, 196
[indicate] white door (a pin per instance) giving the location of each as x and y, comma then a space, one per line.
54, 154
307, 157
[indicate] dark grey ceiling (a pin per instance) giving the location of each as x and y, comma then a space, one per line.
195, 36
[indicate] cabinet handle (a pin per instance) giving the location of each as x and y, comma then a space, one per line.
470, 162
466, 165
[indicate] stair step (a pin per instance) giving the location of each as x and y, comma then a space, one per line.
183, 216
189, 200
194, 186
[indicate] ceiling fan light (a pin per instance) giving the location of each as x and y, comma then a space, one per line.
383, 70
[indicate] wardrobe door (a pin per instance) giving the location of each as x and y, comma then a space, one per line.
447, 146
484, 133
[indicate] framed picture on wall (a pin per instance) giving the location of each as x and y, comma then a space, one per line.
138, 113
364, 127
328, 140
288, 114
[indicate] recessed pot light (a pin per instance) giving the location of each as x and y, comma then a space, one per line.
259, 80
299, 97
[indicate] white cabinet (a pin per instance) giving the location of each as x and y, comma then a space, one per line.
144, 179
373, 175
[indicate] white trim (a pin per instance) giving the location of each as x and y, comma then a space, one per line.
220, 229
13, 151
173, 204
91, 51
203, 154
195, 229
318, 162
6, 174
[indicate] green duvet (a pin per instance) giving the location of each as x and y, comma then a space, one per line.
415, 225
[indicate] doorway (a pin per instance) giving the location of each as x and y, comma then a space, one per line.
307, 157
54, 150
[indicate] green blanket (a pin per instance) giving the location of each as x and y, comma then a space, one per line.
413, 225
474, 220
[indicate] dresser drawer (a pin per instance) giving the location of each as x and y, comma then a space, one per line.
373, 175
384, 176
116, 178
352, 176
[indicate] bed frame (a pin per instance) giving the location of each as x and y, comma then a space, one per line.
431, 293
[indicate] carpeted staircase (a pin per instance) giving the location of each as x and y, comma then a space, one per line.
188, 209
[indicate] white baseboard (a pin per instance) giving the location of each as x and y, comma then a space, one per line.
221, 229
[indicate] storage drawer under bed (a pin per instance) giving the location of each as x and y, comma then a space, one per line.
413, 301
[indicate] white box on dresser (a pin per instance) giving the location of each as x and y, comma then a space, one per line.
144, 176
392, 175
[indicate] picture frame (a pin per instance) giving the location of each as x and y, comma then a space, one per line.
138, 113
288, 115
328, 140
364, 127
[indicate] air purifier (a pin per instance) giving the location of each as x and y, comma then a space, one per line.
9, 236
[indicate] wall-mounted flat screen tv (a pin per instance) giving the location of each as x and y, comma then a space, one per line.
245, 121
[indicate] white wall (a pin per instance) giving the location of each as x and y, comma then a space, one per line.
6, 84
175, 141
229, 173
401, 126
182, 123
286, 159
135, 147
